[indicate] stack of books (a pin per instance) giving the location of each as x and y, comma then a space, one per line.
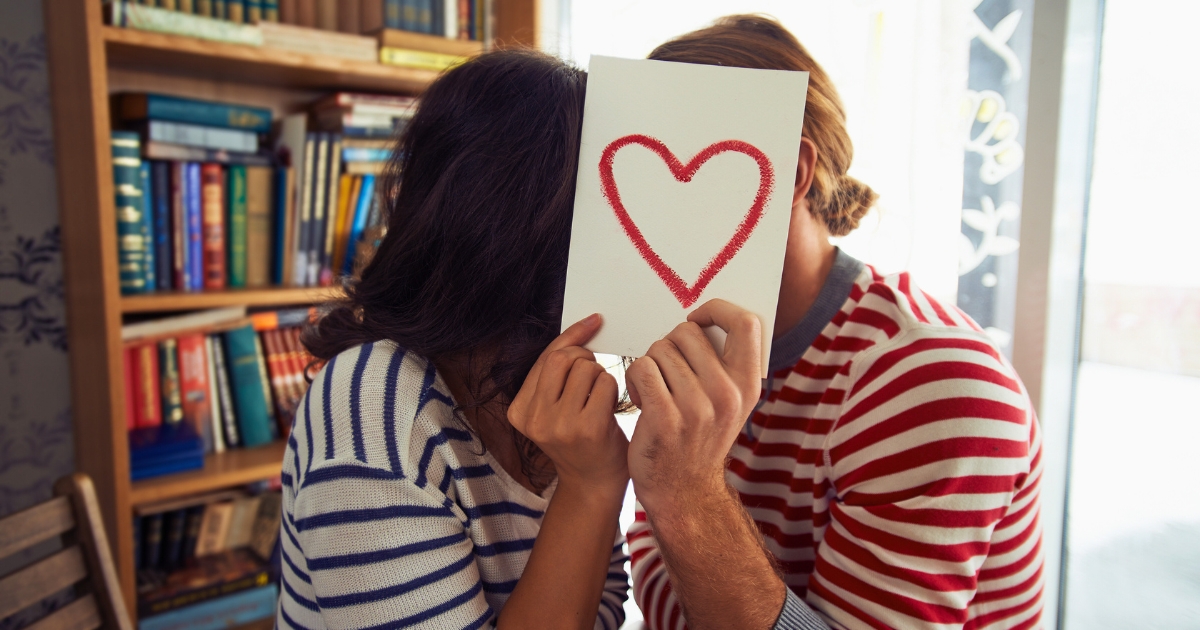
210, 381
207, 556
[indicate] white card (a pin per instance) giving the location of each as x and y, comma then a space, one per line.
684, 194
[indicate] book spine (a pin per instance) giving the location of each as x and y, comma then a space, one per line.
316, 241
147, 386
254, 11
194, 387
204, 8
285, 199
152, 538
418, 58
163, 255
334, 205
149, 263
371, 16
267, 524
185, 6
195, 223
303, 227
258, 226
280, 387
129, 374
220, 9
393, 13
174, 525
280, 426
168, 364
360, 223
437, 26
179, 225
237, 226
216, 428
464, 19
170, 5
212, 194
214, 529
424, 10
190, 135
131, 248
235, 11
353, 185
450, 19
287, 12
184, 110
306, 13
348, 19
191, 531
253, 413
223, 612
201, 25
138, 542
350, 154
225, 393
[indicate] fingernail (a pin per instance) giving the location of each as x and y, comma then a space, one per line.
593, 318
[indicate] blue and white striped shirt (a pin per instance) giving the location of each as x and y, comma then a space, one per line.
394, 516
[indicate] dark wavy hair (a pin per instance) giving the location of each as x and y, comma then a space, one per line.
478, 197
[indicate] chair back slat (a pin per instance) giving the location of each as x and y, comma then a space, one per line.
29, 527
81, 614
40, 580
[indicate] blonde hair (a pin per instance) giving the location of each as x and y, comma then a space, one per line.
754, 41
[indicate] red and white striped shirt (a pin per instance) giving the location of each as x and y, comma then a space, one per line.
892, 466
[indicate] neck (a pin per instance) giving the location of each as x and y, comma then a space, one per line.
806, 265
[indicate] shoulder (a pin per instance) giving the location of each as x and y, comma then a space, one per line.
374, 407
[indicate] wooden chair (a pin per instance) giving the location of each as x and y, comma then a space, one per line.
84, 563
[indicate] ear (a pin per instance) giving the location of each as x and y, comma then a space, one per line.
806, 168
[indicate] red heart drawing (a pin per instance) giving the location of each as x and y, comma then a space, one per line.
687, 295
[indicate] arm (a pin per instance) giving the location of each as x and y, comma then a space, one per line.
566, 407
708, 553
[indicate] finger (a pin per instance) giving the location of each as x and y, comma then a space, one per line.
579, 383
576, 334
743, 348
681, 380
699, 353
558, 365
604, 394
646, 386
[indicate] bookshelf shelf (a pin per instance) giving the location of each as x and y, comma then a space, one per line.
221, 470
174, 301
174, 54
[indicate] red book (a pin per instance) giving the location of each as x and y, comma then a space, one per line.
212, 200
299, 359
285, 406
193, 380
127, 360
148, 412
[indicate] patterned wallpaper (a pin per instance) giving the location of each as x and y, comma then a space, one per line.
35, 414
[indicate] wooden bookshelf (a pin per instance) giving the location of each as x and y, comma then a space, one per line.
177, 301
89, 62
234, 467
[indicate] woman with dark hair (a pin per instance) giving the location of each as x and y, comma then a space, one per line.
457, 463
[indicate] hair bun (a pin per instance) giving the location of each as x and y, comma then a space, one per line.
847, 205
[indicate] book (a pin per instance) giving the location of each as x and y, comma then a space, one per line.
253, 11
205, 8
360, 222
174, 524
212, 199
126, 14
182, 276
346, 220
229, 423
185, 6
195, 229
393, 14
152, 539
131, 248
181, 323
251, 400
348, 20
258, 227
282, 425
210, 577
165, 449
296, 360
163, 255
325, 43
333, 205
129, 374
280, 379
179, 152
420, 59
327, 15
191, 135
368, 143
221, 9
241, 524
370, 14
138, 542
320, 202
168, 366
366, 168
464, 19
146, 390
363, 154
449, 19
195, 387
290, 147
408, 20
336, 119
191, 530
216, 428
306, 13
424, 16
149, 263
216, 614
266, 525
284, 222
214, 528
304, 225
236, 205
283, 318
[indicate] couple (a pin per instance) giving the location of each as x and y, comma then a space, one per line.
457, 462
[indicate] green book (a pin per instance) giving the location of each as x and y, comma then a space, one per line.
235, 225
168, 371
149, 264
245, 376
130, 206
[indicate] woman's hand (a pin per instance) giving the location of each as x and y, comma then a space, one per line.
693, 404
566, 408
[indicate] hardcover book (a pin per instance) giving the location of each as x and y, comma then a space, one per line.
130, 206
251, 402
161, 194
201, 136
149, 263
212, 195
216, 428
195, 387
147, 394
146, 18
258, 226
237, 226
211, 577
418, 58
168, 363
195, 230
216, 614
229, 422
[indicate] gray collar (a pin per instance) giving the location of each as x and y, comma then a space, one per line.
789, 347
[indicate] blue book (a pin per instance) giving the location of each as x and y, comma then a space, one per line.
364, 154
424, 16
251, 392
279, 218
393, 13
143, 106
165, 449
130, 206
360, 221
195, 231
160, 198
149, 261
217, 614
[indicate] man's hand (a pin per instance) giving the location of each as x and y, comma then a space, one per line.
693, 404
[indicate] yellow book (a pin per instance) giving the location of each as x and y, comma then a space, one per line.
351, 185
419, 58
